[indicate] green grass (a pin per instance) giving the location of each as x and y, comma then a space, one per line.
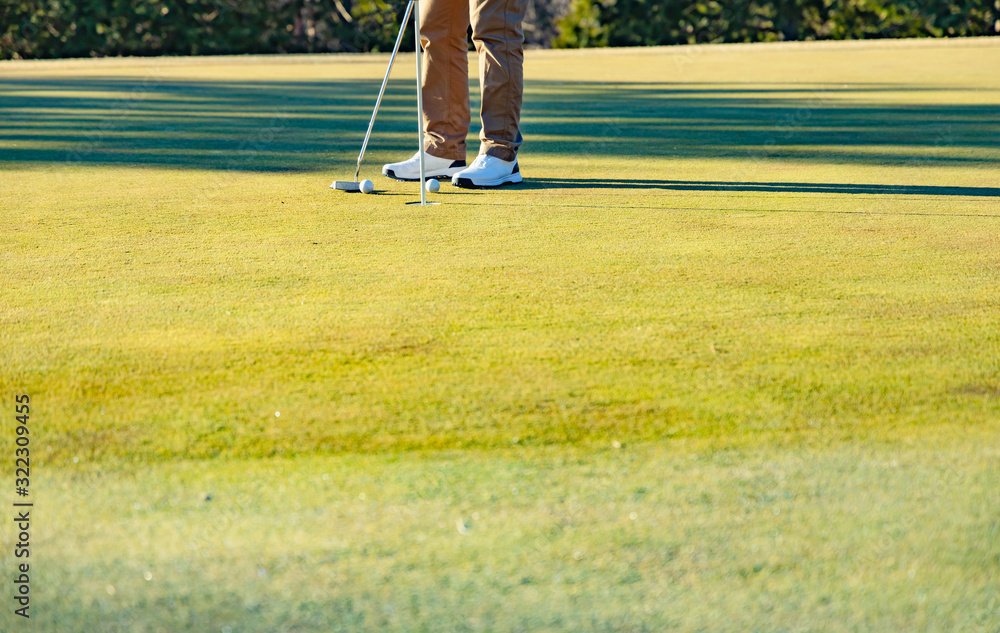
747, 295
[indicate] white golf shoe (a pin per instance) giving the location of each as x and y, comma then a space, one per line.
434, 167
488, 171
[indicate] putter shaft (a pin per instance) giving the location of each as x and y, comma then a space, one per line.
378, 102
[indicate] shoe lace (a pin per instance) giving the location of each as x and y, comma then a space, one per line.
481, 161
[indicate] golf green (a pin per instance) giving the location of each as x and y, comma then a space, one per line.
727, 360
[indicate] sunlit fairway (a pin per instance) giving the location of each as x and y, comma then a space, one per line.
728, 360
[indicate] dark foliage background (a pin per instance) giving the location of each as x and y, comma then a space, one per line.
649, 22
81, 28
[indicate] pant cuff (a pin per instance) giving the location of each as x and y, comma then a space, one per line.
499, 151
443, 152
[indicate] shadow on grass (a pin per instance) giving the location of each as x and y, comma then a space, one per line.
775, 187
275, 125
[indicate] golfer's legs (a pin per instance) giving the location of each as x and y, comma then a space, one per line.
443, 29
499, 38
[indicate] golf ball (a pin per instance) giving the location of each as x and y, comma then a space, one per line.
433, 186
367, 186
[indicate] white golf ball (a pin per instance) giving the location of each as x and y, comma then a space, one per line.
367, 186
433, 186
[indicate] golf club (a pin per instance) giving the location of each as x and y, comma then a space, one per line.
355, 185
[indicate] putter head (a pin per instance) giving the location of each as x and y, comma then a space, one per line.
346, 185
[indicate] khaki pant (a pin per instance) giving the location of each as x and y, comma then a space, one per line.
498, 36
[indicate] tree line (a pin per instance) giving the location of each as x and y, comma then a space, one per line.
89, 28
